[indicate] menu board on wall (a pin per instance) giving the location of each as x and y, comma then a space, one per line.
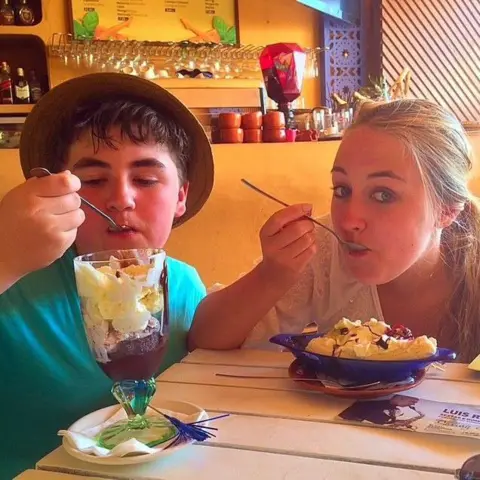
198, 21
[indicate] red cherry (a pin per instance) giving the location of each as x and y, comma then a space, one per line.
400, 332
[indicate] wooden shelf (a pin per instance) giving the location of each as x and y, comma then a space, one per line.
204, 93
61, 73
208, 83
21, 30
15, 109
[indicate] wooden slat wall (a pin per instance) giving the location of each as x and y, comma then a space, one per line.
440, 41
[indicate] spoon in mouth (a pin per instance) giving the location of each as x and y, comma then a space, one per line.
40, 172
353, 247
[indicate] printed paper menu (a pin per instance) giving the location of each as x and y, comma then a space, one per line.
410, 413
198, 21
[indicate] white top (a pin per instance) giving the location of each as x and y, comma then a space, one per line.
325, 293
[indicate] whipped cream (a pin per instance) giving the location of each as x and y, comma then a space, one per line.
120, 303
372, 340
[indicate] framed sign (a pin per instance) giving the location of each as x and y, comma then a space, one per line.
198, 21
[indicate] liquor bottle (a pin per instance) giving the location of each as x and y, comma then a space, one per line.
22, 89
35, 87
7, 14
25, 15
6, 96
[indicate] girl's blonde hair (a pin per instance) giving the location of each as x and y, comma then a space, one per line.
440, 146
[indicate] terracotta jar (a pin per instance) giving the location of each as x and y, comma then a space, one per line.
274, 120
231, 135
274, 135
252, 120
252, 135
229, 120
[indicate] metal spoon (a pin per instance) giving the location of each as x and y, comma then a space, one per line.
40, 172
350, 245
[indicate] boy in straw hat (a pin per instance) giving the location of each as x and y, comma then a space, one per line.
135, 152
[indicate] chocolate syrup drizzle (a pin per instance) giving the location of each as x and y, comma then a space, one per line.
381, 342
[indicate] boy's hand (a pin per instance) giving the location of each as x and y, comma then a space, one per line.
288, 245
38, 223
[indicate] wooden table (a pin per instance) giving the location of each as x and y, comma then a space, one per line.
45, 475
279, 430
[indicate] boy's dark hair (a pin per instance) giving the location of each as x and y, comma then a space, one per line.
138, 123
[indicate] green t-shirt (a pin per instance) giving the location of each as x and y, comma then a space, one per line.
49, 376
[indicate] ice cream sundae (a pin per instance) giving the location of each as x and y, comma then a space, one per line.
372, 340
123, 304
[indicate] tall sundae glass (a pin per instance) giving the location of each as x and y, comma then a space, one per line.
124, 301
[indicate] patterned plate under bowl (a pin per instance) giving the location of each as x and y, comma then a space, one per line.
298, 370
358, 369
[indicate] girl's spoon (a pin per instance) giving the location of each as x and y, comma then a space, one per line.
350, 245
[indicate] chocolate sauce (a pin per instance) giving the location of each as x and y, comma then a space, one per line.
382, 343
373, 333
136, 359
140, 358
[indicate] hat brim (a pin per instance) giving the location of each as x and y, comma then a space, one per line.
44, 125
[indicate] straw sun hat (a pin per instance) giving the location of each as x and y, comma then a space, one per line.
45, 124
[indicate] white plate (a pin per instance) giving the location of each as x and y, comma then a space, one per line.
100, 416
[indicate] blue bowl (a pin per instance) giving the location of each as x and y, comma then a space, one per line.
362, 371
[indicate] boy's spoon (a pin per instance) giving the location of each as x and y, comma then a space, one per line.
40, 172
